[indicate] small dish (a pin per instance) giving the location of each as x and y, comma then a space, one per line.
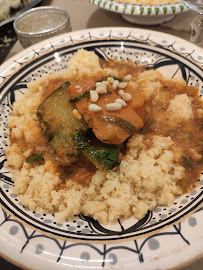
142, 14
40, 23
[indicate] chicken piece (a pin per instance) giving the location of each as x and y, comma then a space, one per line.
106, 131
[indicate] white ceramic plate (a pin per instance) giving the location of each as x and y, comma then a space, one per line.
164, 238
142, 14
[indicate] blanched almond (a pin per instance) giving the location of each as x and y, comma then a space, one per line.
128, 77
101, 90
98, 84
94, 108
115, 84
126, 97
94, 96
121, 93
122, 85
121, 101
77, 114
106, 83
110, 80
113, 106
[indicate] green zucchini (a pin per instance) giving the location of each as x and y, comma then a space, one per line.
56, 115
60, 139
103, 156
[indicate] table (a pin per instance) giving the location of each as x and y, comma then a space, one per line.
94, 17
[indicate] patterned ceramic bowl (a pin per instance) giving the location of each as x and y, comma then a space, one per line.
166, 237
142, 14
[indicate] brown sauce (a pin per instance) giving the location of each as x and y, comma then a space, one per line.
123, 68
79, 172
187, 136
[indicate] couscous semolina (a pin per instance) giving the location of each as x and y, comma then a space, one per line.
158, 162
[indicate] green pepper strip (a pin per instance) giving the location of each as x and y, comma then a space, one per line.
119, 122
78, 98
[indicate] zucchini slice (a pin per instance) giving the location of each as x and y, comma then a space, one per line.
103, 156
56, 116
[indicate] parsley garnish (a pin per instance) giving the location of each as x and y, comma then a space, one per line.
200, 142
34, 158
117, 79
187, 163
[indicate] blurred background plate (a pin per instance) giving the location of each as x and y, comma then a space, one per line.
14, 13
8, 36
142, 14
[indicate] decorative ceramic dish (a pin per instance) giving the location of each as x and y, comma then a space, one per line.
142, 14
163, 239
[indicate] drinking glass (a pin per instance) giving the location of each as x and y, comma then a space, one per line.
197, 24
